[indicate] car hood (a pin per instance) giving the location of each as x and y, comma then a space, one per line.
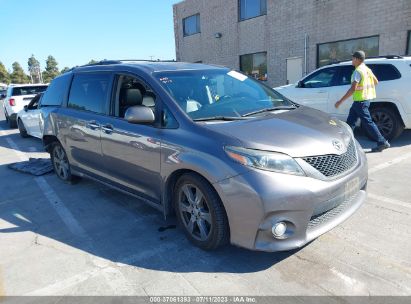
300, 132
284, 87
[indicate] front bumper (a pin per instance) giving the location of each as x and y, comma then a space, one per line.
254, 201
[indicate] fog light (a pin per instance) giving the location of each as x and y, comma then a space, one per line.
279, 229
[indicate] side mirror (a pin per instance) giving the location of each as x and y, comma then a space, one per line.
300, 84
26, 108
139, 115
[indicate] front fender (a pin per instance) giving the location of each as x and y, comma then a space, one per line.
213, 167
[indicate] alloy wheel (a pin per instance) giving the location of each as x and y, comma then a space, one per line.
384, 122
61, 164
195, 212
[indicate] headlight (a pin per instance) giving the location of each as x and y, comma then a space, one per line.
264, 160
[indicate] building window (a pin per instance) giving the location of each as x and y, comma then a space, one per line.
409, 43
191, 25
331, 52
254, 65
252, 8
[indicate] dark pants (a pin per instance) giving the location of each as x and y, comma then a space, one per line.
360, 110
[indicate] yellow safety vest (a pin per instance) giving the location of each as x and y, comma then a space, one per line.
365, 89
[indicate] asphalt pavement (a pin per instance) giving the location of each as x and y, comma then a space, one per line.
87, 239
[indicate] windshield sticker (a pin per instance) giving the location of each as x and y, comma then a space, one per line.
237, 75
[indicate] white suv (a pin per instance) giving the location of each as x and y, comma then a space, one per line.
391, 110
17, 97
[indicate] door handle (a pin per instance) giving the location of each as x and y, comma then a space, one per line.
108, 129
93, 125
321, 91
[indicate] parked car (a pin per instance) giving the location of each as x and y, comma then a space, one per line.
391, 110
28, 119
17, 97
233, 159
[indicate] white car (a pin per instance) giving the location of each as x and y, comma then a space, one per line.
17, 97
29, 119
391, 110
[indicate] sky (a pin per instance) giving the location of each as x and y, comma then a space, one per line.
76, 31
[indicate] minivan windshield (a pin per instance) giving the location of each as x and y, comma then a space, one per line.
220, 94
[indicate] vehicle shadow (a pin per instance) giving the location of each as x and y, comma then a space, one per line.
403, 140
116, 227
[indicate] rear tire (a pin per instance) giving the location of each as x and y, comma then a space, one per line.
11, 122
200, 212
61, 164
22, 129
388, 122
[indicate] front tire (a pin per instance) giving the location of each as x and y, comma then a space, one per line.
200, 212
11, 122
60, 163
22, 129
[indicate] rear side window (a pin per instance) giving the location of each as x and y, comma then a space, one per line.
18, 91
89, 92
56, 92
385, 72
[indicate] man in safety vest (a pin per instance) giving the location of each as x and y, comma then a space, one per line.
362, 89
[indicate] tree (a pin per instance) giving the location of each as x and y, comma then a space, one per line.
92, 61
4, 75
34, 69
18, 75
51, 69
64, 70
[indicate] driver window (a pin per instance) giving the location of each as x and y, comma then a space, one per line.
344, 75
320, 79
132, 92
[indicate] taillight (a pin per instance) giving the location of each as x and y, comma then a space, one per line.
12, 102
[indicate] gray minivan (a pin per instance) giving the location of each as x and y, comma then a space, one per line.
233, 159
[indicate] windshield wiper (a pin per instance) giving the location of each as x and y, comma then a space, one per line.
225, 118
270, 109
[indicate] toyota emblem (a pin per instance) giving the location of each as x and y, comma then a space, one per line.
337, 145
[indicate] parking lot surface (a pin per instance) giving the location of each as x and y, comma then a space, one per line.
87, 239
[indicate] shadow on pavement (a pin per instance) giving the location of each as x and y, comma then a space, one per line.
403, 140
118, 227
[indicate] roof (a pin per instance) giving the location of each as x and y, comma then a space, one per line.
379, 59
151, 66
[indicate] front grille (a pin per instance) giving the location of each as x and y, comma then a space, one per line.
326, 216
332, 165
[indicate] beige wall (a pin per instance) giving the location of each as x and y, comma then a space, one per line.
281, 32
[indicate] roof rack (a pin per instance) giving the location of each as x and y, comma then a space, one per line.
372, 57
102, 62
117, 61
147, 60
386, 56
